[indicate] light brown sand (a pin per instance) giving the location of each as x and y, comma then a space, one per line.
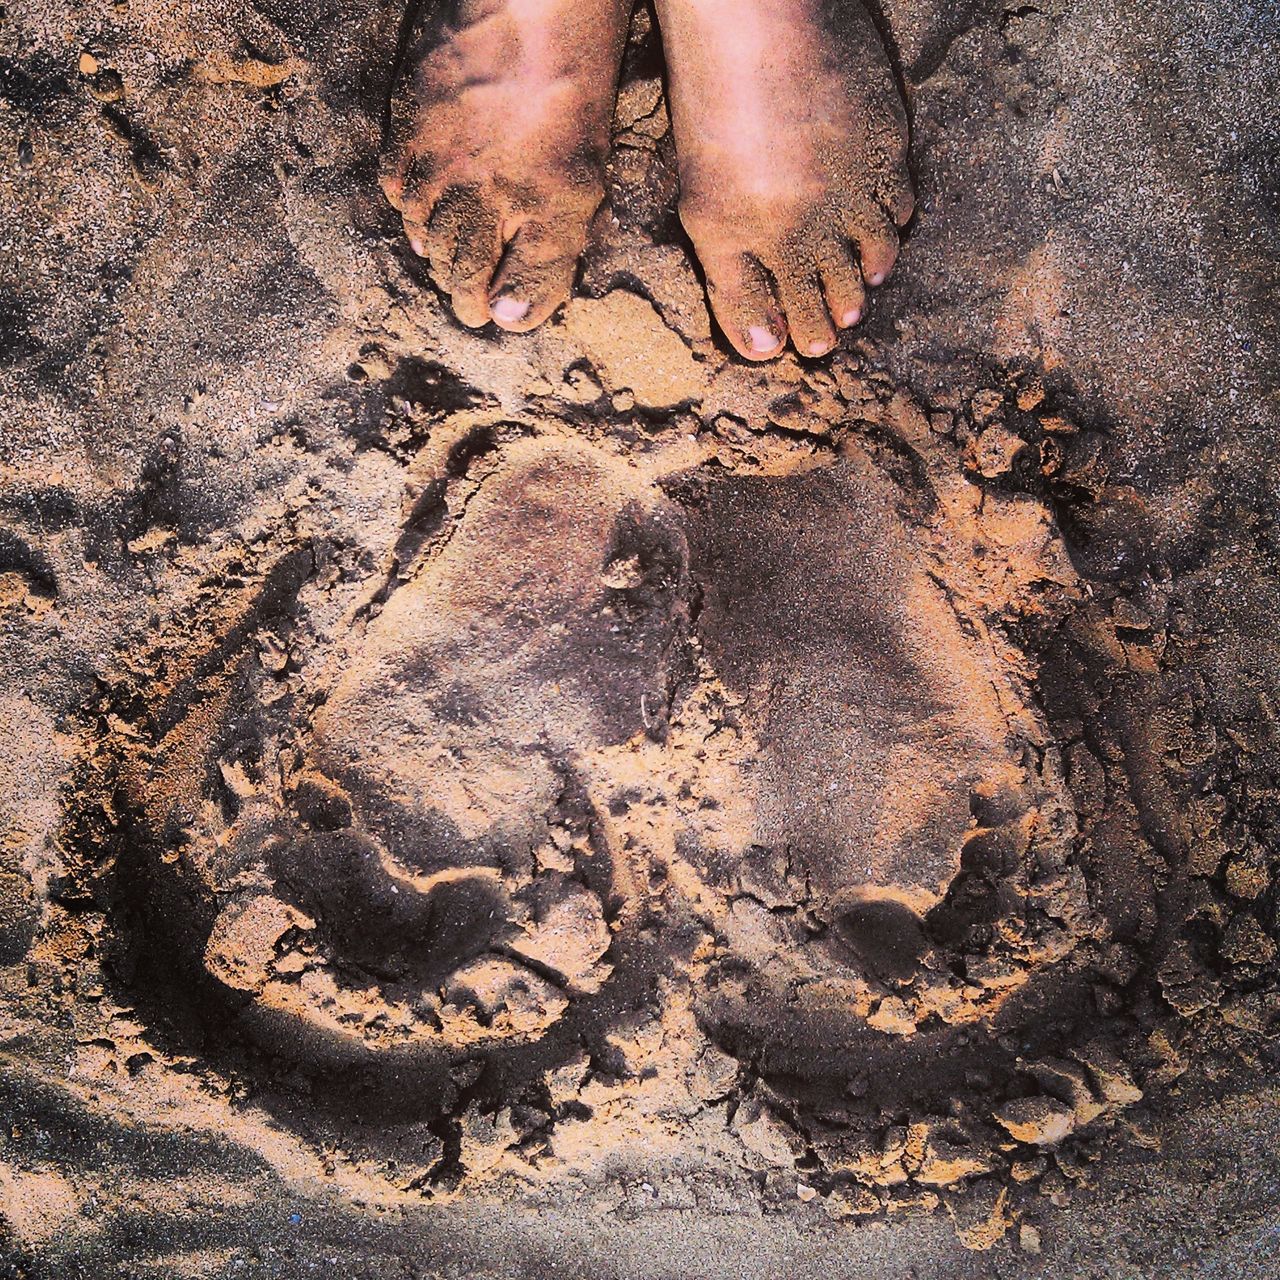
577, 804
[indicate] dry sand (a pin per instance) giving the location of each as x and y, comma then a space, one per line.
579, 805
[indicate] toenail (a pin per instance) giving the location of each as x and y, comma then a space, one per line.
875, 278
819, 347
509, 310
852, 316
761, 339
416, 244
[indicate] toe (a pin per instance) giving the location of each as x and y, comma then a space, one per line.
877, 239
392, 183
416, 234
900, 199
842, 285
536, 276
393, 173
745, 306
464, 244
400, 180
812, 333
406, 192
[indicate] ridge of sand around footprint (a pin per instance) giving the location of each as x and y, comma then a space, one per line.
719, 684
520, 949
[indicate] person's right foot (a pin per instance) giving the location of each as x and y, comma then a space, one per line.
496, 162
792, 143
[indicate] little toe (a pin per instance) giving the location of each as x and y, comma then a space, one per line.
900, 199
842, 285
392, 183
812, 333
409, 195
394, 173
536, 276
405, 184
877, 239
464, 244
745, 305
416, 234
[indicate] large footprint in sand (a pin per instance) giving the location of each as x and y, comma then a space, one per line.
889, 772
611, 690
417, 870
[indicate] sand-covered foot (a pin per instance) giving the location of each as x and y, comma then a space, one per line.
496, 154
792, 143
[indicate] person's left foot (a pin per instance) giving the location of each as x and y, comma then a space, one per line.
496, 162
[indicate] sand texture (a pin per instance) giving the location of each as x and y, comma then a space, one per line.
577, 804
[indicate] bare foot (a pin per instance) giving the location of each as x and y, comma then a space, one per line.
496, 159
792, 141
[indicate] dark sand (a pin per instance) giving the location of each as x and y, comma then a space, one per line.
579, 805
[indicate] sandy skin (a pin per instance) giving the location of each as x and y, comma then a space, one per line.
792, 145
500, 165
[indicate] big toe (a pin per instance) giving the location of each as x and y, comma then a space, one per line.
536, 275
745, 305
